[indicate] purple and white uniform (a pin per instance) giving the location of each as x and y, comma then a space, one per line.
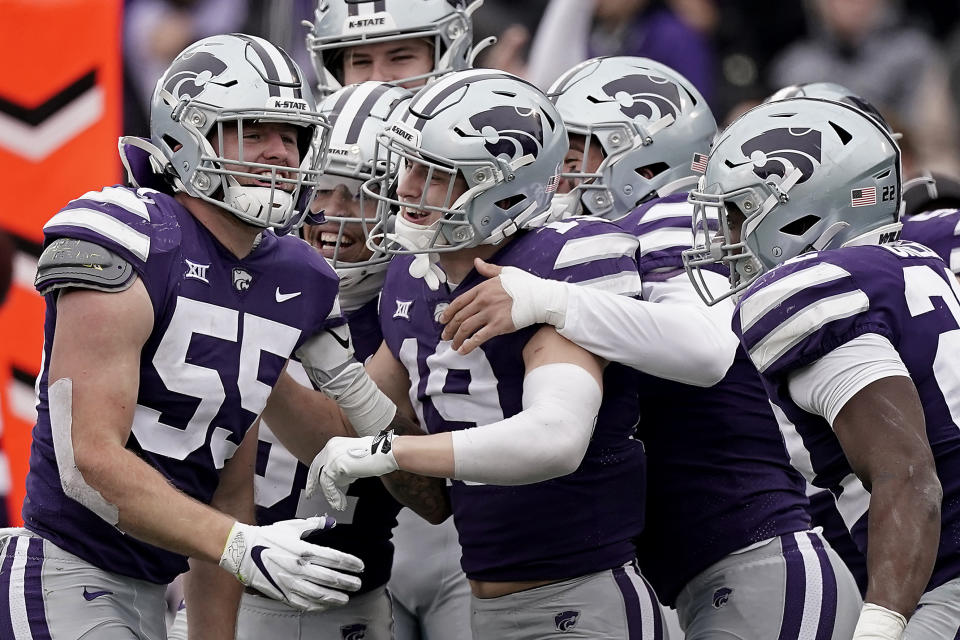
719, 481
939, 230
222, 334
809, 306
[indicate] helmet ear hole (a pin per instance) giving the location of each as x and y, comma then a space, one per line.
801, 225
509, 203
649, 171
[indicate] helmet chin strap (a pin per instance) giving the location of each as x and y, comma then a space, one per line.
259, 206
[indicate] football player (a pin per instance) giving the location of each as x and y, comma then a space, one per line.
405, 42
546, 506
851, 331
356, 115
170, 317
727, 529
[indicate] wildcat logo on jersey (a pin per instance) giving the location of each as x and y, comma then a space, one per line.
353, 631
645, 95
721, 596
188, 77
566, 620
510, 131
780, 151
241, 279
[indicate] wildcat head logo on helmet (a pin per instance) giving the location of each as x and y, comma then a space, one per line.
510, 131
188, 76
779, 151
644, 95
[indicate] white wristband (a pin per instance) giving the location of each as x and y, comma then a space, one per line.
535, 300
879, 623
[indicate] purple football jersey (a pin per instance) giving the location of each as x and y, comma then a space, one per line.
939, 230
365, 527
566, 527
805, 308
223, 330
718, 474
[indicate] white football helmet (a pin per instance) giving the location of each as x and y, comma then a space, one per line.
218, 84
806, 175
339, 24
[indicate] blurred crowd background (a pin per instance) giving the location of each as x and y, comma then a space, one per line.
902, 56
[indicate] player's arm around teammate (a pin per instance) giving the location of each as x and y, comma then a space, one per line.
562, 393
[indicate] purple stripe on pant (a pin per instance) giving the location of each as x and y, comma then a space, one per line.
6, 625
33, 591
631, 602
828, 603
796, 583
657, 618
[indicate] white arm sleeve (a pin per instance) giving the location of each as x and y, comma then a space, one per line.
546, 440
561, 40
328, 360
670, 334
823, 387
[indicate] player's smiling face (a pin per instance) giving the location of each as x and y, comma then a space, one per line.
417, 185
272, 143
338, 202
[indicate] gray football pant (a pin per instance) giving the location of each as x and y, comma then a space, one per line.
365, 617
431, 596
49, 594
937, 615
794, 587
616, 603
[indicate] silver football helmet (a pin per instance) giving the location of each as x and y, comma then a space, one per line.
494, 134
339, 24
214, 87
653, 127
357, 115
804, 175
835, 92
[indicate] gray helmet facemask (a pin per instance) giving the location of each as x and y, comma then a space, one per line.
806, 175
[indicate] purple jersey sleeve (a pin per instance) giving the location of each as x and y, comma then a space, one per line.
664, 227
939, 230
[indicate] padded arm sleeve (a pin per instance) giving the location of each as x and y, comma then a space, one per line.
823, 387
546, 440
328, 360
671, 334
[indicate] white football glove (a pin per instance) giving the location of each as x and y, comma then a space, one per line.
344, 460
275, 561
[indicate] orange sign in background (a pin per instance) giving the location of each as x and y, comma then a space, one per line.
60, 116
